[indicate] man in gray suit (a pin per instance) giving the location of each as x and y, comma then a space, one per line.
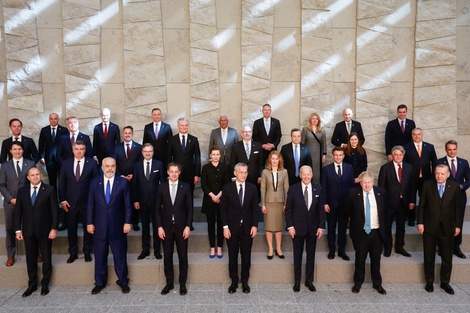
223, 137
12, 177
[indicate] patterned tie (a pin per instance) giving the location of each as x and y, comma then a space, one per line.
247, 150
147, 170
240, 194
108, 192
105, 131
306, 197
128, 151
33, 197
453, 169
400, 173
156, 131
441, 190
183, 143
53, 134
173, 193
77, 171
18, 168
339, 171
402, 127
267, 126
296, 160
367, 227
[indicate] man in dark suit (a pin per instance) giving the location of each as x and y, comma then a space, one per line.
366, 221
48, 143
422, 158
295, 155
106, 136
397, 179
74, 184
30, 151
337, 179
460, 173
398, 131
173, 218
158, 133
36, 222
223, 137
147, 177
109, 217
305, 221
342, 130
267, 131
64, 149
12, 177
239, 207
439, 221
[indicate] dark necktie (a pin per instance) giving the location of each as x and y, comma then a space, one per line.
339, 171
72, 139
368, 226
128, 150
156, 131
108, 192
306, 197
402, 127
53, 134
16, 139
77, 171
296, 160
400, 173
240, 194
183, 143
147, 171
18, 168
33, 197
105, 131
453, 169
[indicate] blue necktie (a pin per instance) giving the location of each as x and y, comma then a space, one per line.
33, 197
441, 190
240, 194
108, 192
296, 160
53, 134
183, 143
367, 228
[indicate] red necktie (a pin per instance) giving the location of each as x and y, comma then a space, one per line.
128, 151
105, 131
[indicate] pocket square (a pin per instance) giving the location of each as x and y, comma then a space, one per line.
255, 152
156, 171
316, 196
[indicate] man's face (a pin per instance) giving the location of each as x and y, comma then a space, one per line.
397, 156
34, 176
53, 119
417, 136
127, 134
173, 173
183, 127
266, 111
72, 125
157, 116
105, 115
295, 136
451, 150
16, 128
16, 151
306, 175
338, 156
108, 167
246, 133
147, 153
223, 122
347, 115
241, 173
402, 113
367, 183
78, 151
441, 174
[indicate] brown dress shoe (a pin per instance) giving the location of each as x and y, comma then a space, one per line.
10, 261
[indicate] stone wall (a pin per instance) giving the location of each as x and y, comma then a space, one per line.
203, 58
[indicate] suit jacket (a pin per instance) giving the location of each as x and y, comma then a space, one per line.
356, 212
37, 220
10, 182
269, 193
336, 189
30, 151
125, 166
47, 146
145, 191
340, 134
305, 158
64, 150
255, 163
160, 145
427, 162
440, 214
182, 209
394, 136
305, 221
215, 140
232, 212
73, 191
274, 136
462, 176
109, 219
189, 159
102, 147
388, 180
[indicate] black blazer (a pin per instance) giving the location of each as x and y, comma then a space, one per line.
125, 166
37, 220
388, 180
64, 150
462, 176
394, 136
232, 212
145, 191
255, 163
213, 179
305, 158
29, 150
160, 145
103, 148
427, 162
48, 147
274, 136
182, 210
189, 159
340, 134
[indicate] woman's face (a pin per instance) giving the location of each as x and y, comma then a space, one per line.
354, 141
215, 156
314, 120
274, 160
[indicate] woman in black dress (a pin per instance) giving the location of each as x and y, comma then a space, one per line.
356, 156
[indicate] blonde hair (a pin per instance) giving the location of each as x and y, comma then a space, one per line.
280, 166
309, 124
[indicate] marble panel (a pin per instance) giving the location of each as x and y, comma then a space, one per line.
54, 99
143, 97
367, 8
250, 83
251, 111
343, 56
20, 88
145, 37
179, 102
229, 13
463, 13
316, 4
263, 24
379, 25
317, 23
285, 100
316, 78
134, 12
260, 96
199, 106
204, 16
254, 9
52, 51
113, 97
429, 58
373, 75
370, 106
462, 55
143, 70
254, 37
203, 75
463, 109
175, 13
14, 43
344, 13
229, 55
199, 31
287, 14
204, 59
19, 72
176, 49
403, 54
436, 10
230, 103
316, 48
315, 103
426, 116
80, 85
20, 21
345, 97
436, 94
367, 36
434, 76
112, 63
286, 55
50, 15
380, 97
426, 30
200, 4
96, 5
207, 91
405, 13
31, 102
209, 43
373, 53
112, 12
76, 37
401, 92
256, 61
81, 107
81, 54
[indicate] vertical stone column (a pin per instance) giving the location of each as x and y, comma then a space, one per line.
3, 78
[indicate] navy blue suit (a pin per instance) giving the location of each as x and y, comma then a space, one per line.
305, 158
109, 220
160, 145
102, 147
260, 135
29, 149
48, 150
189, 159
64, 149
124, 165
394, 136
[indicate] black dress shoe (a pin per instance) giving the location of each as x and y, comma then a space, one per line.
158, 255
459, 253
183, 290
44, 290
331, 255
281, 256
296, 287
269, 257
143, 255
403, 252
246, 288
97, 289
310, 286
447, 288
233, 288
380, 290
387, 252
72, 258
356, 289
61, 228
136, 227
88, 257
125, 288
344, 256
429, 287
29, 291
167, 289
412, 224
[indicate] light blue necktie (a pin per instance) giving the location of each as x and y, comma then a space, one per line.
108, 192
441, 190
296, 160
267, 126
367, 228
33, 197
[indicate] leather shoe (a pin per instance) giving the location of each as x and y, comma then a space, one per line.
245, 288
88, 257
97, 289
183, 290
281, 256
158, 255
72, 258
167, 289
269, 257
61, 228
412, 224
136, 227
233, 288
403, 252
39, 259
10, 261
310, 286
380, 289
143, 255
356, 289
331, 255
29, 291
387, 252
344, 256
125, 289
429, 287
447, 288
459, 253
296, 287
44, 290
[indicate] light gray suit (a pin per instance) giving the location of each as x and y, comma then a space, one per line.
216, 141
9, 185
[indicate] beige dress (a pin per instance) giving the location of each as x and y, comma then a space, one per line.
273, 196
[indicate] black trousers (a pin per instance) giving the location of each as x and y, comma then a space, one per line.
371, 244
174, 236
239, 241
446, 245
32, 246
211, 229
75, 216
399, 214
310, 243
147, 215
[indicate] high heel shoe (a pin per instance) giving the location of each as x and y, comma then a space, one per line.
281, 256
212, 253
219, 256
270, 257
